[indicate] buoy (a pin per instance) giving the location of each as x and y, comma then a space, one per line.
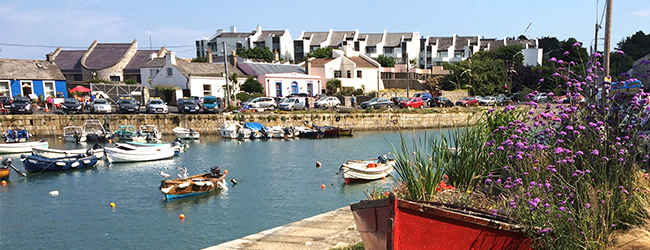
181, 216
112, 204
322, 186
234, 182
383, 177
225, 171
318, 164
4, 182
54, 193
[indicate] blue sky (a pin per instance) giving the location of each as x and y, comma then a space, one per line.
74, 24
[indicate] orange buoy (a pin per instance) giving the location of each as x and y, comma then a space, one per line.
318, 164
383, 177
181, 216
372, 165
225, 171
4, 183
112, 204
322, 186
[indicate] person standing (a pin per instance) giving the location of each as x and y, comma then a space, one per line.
353, 101
49, 102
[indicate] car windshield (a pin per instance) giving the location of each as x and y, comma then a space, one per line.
373, 99
21, 100
156, 102
100, 101
290, 100
210, 101
465, 98
127, 101
68, 101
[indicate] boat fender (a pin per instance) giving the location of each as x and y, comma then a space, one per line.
86, 161
184, 185
338, 118
60, 163
167, 189
234, 182
90, 152
223, 186
372, 165
23, 157
209, 184
318, 164
74, 164
199, 183
305, 122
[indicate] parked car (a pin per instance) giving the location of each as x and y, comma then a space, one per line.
397, 100
198, 100
6, 101
293, 103
69, 105
426, 96
540, 97
154, 106
100, 105
502, 100
260, 102
211, 104
412, 102
24, 105
319, 96
279, 100
467, 101
120, 98
377, 103
128, 106
187, 106
330, 101
440, 102
298, 95
514, 97
487, 101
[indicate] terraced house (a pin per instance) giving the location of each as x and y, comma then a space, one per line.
19, 77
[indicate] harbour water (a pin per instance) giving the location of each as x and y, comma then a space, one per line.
278, 183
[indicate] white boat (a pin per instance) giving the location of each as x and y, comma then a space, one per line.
150, 132
366, 170
175, 145
95, 131
74, 134
97, 150
184, 133
130, 153
21, 147
233, 130
281, 132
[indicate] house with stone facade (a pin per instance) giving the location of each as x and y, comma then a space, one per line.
19, 77
115, 62
278, 41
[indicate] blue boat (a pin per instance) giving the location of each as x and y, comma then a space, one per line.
15, 135
258, 131
36, 163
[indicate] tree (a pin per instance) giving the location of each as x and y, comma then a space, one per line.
232, 85
549, 43
320, 53
333, 85
200, 59
257, 53
130, 81
386, 61
632, 47
252, 86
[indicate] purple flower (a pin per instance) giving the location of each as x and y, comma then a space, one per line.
488, 181
594, 152
490, 110
566, 53
553, 59
562, 209
587, 205
577, 44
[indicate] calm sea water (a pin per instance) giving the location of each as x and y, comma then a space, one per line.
278, 183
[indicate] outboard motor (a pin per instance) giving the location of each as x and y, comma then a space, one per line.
382, 159
192, 132
97, 146
215, 171
90, 152
7, 161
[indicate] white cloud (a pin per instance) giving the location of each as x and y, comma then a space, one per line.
641, 13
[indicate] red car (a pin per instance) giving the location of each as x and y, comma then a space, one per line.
413, 102
467, 101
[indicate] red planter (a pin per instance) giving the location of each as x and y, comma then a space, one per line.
400, 224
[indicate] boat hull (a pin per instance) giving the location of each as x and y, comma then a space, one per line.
35, 163
399, 224
192, 186
184, 133
137, 154
346, 131
21, 147
56, 153
4, 173
366, 170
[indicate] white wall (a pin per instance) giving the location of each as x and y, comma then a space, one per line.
177, 79
532, 57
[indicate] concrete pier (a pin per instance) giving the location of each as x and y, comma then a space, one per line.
321, 232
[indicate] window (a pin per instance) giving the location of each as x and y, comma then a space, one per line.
260, 44
276, 44
170, 72
207, 89
459, 54
358, 73
349, 73
4, 89
388, 50
114, 78
48, 89
294, 87
239, 45
337, 74
442, 53
371, 50
153, 72
278, 88
310, 85
313, 47
356, 46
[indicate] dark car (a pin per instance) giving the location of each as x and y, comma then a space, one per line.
128, 106
71, 105
6, 101
514, 97
21, 105
397, 100
440, 101
127, 97
377, 103
502, 100
187, 106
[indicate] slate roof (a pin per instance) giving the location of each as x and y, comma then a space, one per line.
269, 33
29, 70
444, 42
69, 61
461, 41
337, 37
204, 69
395, 39
372, 39
105, 55
361, 62
140, 58
318, 38
256, 69
235, 35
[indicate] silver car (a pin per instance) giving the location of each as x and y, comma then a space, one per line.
100, 105
157, 106
293, 103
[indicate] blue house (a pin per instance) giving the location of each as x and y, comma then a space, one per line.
31, 78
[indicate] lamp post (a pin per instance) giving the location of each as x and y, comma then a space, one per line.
225, 67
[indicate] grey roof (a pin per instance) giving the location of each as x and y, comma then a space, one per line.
235, 35
155, 63
372, 39
461, 41
270, 68
319, 37
338, 36
140, 58
269, 33
521, 42
69, 61
105, 55
444, 42
29, 70
395, 39
204, 69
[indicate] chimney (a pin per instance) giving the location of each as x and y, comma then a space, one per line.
209, 56
307, 66
259, 29
170, 58
233, 29
48, 57
276, 55
233, 58
219, 31
153, 55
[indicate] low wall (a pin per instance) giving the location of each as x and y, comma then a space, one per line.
52, 125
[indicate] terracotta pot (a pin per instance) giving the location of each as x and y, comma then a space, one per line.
401, 224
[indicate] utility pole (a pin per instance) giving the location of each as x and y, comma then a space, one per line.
608, 33
408, 78
595, 49
225, 67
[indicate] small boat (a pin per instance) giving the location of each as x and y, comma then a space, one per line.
74, 134
186, 186
130, 153
37, 163
346, 131
329, 131
366, 170
282, 132
150, 132
177, 146
234, 130
258, 131
305, 132
128, 133
184, 133
6, 167
15, 135
22, 147
96, 150
95, 131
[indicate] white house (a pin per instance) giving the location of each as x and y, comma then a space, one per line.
279, 41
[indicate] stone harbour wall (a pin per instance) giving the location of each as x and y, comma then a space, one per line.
52, 125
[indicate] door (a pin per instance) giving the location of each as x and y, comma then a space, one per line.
294, 88
26, 88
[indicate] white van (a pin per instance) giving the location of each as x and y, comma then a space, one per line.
293, 103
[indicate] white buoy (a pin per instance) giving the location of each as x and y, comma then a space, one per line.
54, 193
